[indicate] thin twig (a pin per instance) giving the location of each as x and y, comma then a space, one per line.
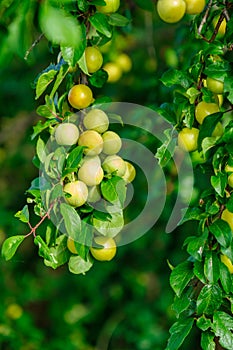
204, 19
33, 45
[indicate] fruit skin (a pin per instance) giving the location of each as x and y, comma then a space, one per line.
80, 96
110, 7
171, 11
230, 180
228, 217
97, 120
91, 173
229, 168
93, 141
108, 251
113, 164
124, 62
71, 246
187, 139
222, 28
112, 142
226, 261
203, 109
130, 172
218, 130
114, 72
194, 7
66, 134
78, 191
215, 85
94, 59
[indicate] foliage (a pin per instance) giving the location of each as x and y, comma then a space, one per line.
201, 282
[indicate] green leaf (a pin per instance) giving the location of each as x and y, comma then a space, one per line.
59, 252
191, 214
196, 245
60, 27
110, 227
208, 126
59, 79
74, 157
48, 110
211, 267
198, 270
43, 82
222, 232
175, 77
44, 250
181, 304
204, 323
225, 278
207, 341
39, 127
166, 151
41, 150
223, 326
77, 265
219, 183
114, 190
179, 331
180, 277
72, 53
209, 299
82, 5
100, 23
72, 222
115, 19
99, 78
207, 144
23, 215
10, 245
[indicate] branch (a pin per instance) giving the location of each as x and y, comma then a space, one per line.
33, 45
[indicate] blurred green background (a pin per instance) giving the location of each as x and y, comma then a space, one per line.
120, 305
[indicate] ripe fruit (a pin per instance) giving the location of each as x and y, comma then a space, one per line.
226, 261
114, 164
112, 143
228, 168
114, 71
107, 252
203, 109
66, 134
228, 217
171, 11
91, 173
124, 62
187, 139
96, 120
14, 311
230, 180
71, 246
94, 59
194, 7
215, 85
78, 191
93, 142
80, 96
110, 7
222, 28
130, 172
93, 194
